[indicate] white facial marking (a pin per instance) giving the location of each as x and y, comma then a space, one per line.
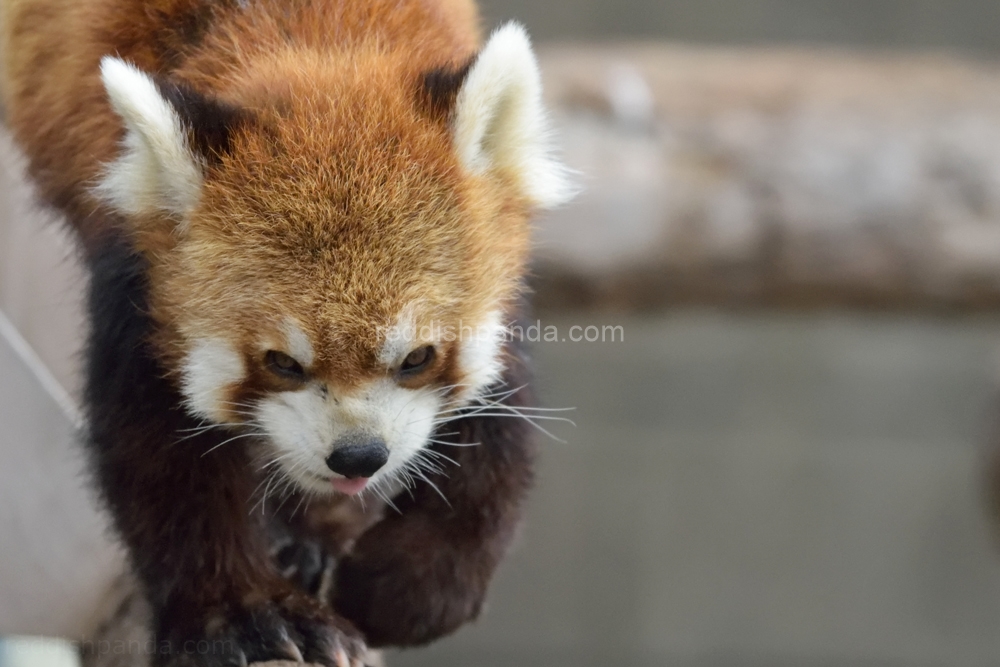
157, 170
303, 426
211, 366
299, 346
500, 121
479, 356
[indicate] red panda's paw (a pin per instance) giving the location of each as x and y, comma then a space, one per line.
292, 627
406, 585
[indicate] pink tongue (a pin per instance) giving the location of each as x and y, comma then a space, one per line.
351, 487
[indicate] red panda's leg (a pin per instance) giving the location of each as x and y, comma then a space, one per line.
182, 510
421, 573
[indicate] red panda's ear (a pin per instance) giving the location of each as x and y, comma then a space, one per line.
500, 124
171, 135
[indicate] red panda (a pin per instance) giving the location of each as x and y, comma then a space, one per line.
306, 227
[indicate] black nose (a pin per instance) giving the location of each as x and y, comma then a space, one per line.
358, 456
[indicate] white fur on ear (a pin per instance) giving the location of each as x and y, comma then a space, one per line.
500, 121
157, 170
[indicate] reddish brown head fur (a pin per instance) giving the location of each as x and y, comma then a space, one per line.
339, 182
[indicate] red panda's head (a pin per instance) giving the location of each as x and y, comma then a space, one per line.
335, 243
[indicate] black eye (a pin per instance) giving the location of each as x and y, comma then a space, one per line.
281, 364
417, 360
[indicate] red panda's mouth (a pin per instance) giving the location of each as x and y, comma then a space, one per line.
350, 487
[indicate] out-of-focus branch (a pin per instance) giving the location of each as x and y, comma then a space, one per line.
795, 178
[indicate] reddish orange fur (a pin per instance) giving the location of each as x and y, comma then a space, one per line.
342, 148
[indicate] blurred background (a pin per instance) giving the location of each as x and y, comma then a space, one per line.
788, 247
965, 25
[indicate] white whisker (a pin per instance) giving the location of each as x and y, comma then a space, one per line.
228, 440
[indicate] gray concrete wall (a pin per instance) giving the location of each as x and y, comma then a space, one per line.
777, 491
952, 24
57, 562
41, 281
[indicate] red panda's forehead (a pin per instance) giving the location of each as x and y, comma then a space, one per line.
340, 274
269, 301
346, 259
342, 164
347, 165
340, 228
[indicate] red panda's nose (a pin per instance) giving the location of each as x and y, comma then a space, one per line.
358, 455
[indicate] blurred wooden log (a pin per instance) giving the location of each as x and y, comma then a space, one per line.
773, 177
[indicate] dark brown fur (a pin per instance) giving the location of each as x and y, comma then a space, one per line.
441, 87
210, 122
